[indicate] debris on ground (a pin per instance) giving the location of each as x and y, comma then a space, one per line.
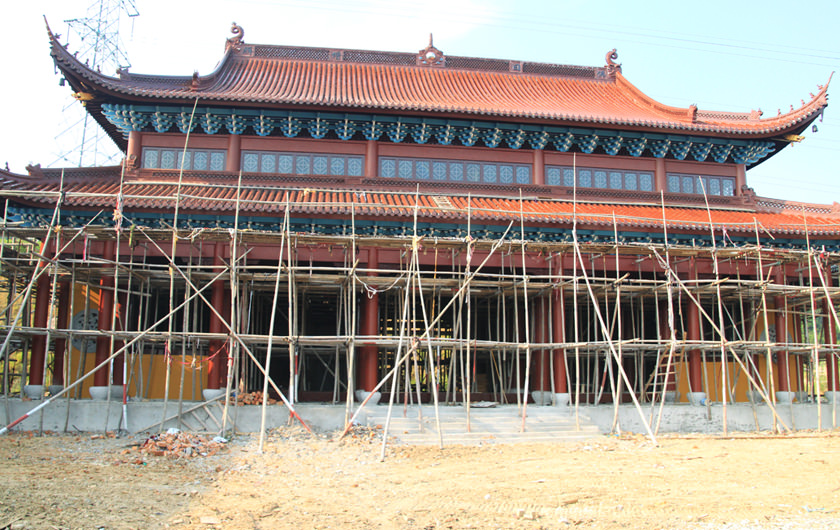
365, 434
175, 443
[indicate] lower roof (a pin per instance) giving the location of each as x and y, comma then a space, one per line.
220, 195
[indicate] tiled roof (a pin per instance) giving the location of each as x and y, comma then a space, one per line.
288, 77
264, 196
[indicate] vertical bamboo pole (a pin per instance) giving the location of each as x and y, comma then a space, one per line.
277, 274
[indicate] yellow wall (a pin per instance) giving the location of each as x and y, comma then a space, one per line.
153, 367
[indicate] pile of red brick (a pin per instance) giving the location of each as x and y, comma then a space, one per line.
180, 444
253, 398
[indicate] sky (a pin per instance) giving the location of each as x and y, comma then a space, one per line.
720, 55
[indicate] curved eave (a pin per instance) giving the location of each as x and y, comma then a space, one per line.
263, 196
215, 89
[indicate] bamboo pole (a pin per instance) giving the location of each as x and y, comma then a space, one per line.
234, 282
277, 275
718, 330
173, 253
428, 329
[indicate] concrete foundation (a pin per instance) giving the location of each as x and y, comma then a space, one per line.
144, 416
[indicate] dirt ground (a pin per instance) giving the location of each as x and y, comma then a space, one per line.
304, 481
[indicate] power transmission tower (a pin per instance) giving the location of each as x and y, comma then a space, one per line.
96, 36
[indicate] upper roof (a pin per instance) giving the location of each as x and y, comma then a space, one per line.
427, 82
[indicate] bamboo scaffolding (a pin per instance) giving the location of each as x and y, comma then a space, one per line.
616, 303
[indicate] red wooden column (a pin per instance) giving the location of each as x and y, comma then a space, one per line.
781, 335
659, 176
119, 324
367, 374
371, 158
540, 360
539, 167
106, 310
217, 299
224, 355
559, 330
134, 152
799, 360
40, 321
833, 367
233, 156
740, 178
64, 293
695, 358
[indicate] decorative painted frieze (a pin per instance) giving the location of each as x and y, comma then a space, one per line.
420, 130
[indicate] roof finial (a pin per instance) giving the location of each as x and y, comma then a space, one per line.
238, 35
431, 56
612, 66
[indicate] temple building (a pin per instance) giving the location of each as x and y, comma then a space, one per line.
419, 226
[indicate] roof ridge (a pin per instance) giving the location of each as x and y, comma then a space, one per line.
453, 62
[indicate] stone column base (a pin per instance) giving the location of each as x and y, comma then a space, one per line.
832, 396
671, 396
754, 397
697, 399
100, 393
562, 399
541, 397
33, 391
784, 397
212, 393
362, 395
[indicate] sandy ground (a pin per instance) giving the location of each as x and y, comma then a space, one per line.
304, 481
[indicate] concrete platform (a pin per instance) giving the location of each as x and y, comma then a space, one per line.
417, 424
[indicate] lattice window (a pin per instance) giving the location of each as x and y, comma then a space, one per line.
194, 159
599, 178
301, 163
697, 184
454, 170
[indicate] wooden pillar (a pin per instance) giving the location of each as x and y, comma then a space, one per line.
539, 167
106, 310
119, 324
371, 158
64, 293
740, 178
224, 355
559, 331
368, 369
781, 334
134, 151
233, 157
660, 177
695, 357
799, 360
40, 321
217, 299
540, 360
830, 334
